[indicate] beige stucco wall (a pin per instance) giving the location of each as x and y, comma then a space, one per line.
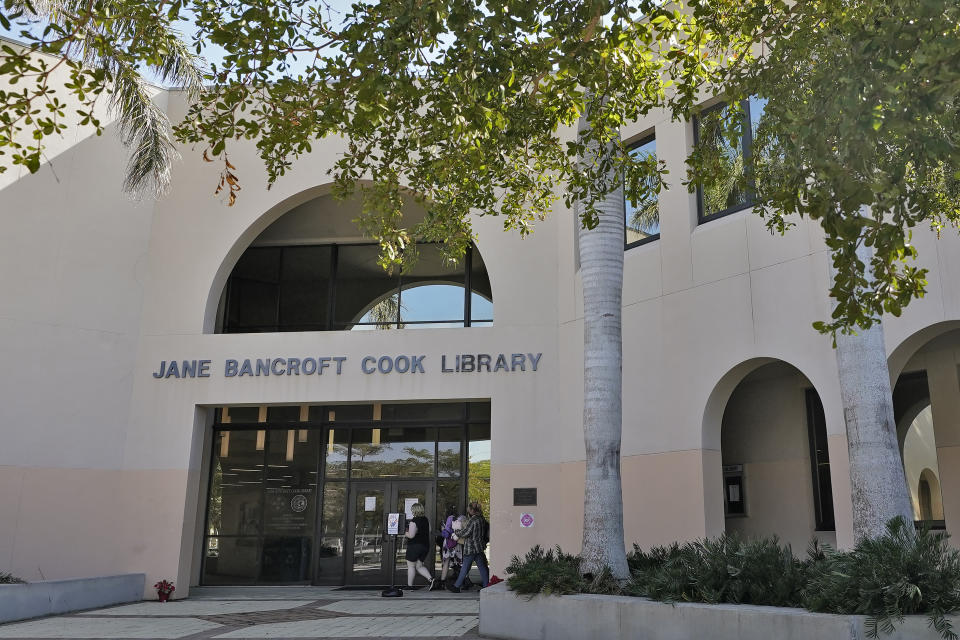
102, 467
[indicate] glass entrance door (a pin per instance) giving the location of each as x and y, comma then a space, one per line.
367, 524
405, 494
370, 547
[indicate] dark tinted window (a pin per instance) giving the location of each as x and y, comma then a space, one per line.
730, 184
820, 463
341, 287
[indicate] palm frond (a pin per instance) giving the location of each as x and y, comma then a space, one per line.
143, 127
388, 310
645, 218
180, 66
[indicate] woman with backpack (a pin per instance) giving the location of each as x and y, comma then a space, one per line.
473, 536
451, 553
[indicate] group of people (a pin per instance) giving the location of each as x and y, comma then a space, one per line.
462, 541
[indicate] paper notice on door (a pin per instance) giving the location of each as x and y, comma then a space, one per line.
393, 524
733, 493
370, 503
408, 505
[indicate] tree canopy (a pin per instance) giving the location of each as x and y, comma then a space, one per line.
472, 106
860, 133
101, 53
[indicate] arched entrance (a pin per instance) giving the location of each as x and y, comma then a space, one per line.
775, 459
300, 493
926, 402
309, 271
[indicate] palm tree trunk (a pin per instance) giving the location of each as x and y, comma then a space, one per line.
878, 486
601, 269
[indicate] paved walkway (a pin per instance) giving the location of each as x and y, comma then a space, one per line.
281, 613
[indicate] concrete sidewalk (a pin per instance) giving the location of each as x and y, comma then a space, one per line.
269, 612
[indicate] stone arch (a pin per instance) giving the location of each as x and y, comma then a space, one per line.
925, 376
731, 423
934, 509
720, 395
253, 231
243, 241
900, 356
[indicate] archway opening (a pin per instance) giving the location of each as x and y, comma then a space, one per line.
776, 464
310, 271
914, 414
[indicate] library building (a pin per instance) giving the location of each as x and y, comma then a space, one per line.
240, 395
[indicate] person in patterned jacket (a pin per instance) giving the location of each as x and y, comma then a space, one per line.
474, 539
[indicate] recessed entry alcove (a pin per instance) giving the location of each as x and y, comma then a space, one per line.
310, 270
299, 494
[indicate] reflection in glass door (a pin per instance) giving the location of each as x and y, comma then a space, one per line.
290, 487
367, 526
405, 495
370, 546
261, 509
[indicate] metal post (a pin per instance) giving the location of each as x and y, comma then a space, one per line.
394, 591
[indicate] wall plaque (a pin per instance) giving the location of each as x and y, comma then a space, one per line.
526, 497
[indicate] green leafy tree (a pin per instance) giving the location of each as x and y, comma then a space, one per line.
478, 484
862, 104
472, 106
858, 134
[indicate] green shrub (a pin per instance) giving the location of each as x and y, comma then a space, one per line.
8, 578
900, 573
724, 569
555, 572
546, 572
639, 560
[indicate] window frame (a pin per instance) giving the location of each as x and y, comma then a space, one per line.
746, 148
645, 139
331, 323
817, 428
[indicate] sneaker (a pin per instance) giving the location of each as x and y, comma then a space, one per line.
452, 588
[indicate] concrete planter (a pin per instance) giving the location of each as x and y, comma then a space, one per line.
504, 614
35, 599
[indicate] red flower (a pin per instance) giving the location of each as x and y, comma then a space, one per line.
164, 586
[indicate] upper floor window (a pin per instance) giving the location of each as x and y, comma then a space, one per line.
341, 287
642, 222
729, 184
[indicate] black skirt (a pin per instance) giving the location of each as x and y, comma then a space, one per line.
416, 551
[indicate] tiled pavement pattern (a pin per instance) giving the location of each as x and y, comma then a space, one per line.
77, 627
281, 613
405, 606
362, 627
192, 607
